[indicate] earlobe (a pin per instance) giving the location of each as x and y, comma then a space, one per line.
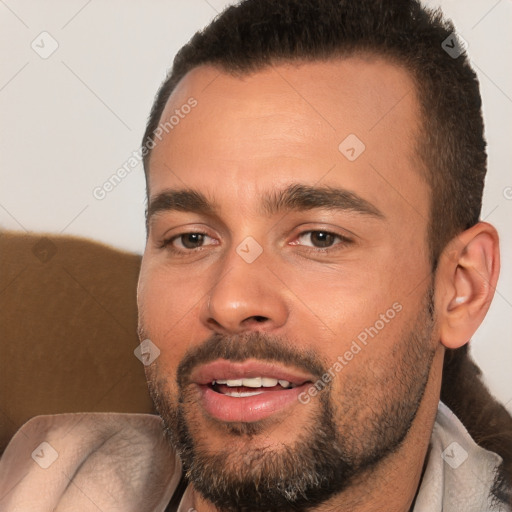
465, 283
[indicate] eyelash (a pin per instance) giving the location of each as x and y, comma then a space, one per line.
343, 242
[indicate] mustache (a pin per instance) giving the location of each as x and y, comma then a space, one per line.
250, 345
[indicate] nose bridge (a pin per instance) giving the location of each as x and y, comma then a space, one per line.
246, 294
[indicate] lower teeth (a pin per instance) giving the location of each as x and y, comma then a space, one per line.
242, 394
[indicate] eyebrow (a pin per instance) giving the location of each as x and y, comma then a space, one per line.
295, 197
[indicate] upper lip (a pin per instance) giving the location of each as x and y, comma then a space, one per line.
222, 369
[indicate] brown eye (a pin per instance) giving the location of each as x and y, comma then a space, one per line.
191, 240
320, 242
187, 244
322, 238
319, 239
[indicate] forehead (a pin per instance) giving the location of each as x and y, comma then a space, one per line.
350, 122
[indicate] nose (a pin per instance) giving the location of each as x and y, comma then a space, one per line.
246, 296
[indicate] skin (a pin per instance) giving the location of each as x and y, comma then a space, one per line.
258, 133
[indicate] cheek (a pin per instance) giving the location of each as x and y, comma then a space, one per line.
354, 317
342, 300
167, 297
169, 305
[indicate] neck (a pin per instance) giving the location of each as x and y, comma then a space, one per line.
393, 483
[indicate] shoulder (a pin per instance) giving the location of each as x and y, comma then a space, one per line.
108, 460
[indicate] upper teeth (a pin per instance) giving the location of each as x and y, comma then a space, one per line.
254, 382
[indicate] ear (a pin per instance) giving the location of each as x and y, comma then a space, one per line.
465, 283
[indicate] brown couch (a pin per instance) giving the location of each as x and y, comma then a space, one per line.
68, 320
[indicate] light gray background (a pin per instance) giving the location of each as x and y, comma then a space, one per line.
70, 121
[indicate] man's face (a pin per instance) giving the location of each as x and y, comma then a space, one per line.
289, 296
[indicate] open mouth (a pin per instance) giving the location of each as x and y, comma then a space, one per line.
248, 391
252, 386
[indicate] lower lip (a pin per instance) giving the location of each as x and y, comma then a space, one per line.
250, 408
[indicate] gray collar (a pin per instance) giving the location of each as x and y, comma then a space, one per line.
459, 474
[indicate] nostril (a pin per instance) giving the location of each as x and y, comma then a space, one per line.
259, 318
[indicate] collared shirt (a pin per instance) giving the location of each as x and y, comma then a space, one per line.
459, 474
122, 462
